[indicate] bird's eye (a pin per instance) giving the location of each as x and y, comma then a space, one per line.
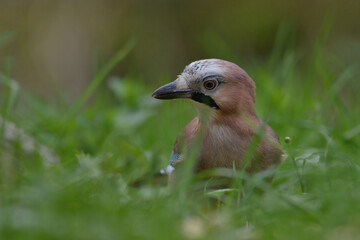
210, 84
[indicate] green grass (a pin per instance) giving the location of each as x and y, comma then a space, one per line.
101, 148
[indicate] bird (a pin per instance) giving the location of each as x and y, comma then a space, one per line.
226, 124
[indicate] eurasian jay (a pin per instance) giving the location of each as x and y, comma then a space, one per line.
227, 123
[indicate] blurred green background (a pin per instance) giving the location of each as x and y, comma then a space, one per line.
82, 139
62, 41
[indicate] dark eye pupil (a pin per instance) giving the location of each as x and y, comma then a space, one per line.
210, 85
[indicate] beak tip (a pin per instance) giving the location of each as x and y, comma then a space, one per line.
170, 91
154, 95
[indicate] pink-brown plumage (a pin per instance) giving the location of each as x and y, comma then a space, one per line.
227, 121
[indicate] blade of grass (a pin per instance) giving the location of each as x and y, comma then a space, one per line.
94, 84
96, 81
239, 175
10, 96
101, 74
6, 37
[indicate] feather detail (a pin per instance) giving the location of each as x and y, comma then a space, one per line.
227, 125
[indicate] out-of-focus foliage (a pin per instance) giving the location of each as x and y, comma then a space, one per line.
84, 168
60, 43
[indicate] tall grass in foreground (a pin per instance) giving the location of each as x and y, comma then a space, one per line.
122, 135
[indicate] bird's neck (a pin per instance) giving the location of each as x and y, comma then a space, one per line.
247, 110
208, 115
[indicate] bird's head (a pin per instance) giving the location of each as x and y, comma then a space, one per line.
218, 84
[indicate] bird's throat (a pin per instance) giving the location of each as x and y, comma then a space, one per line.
202, 98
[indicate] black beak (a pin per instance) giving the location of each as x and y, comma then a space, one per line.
169, 91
